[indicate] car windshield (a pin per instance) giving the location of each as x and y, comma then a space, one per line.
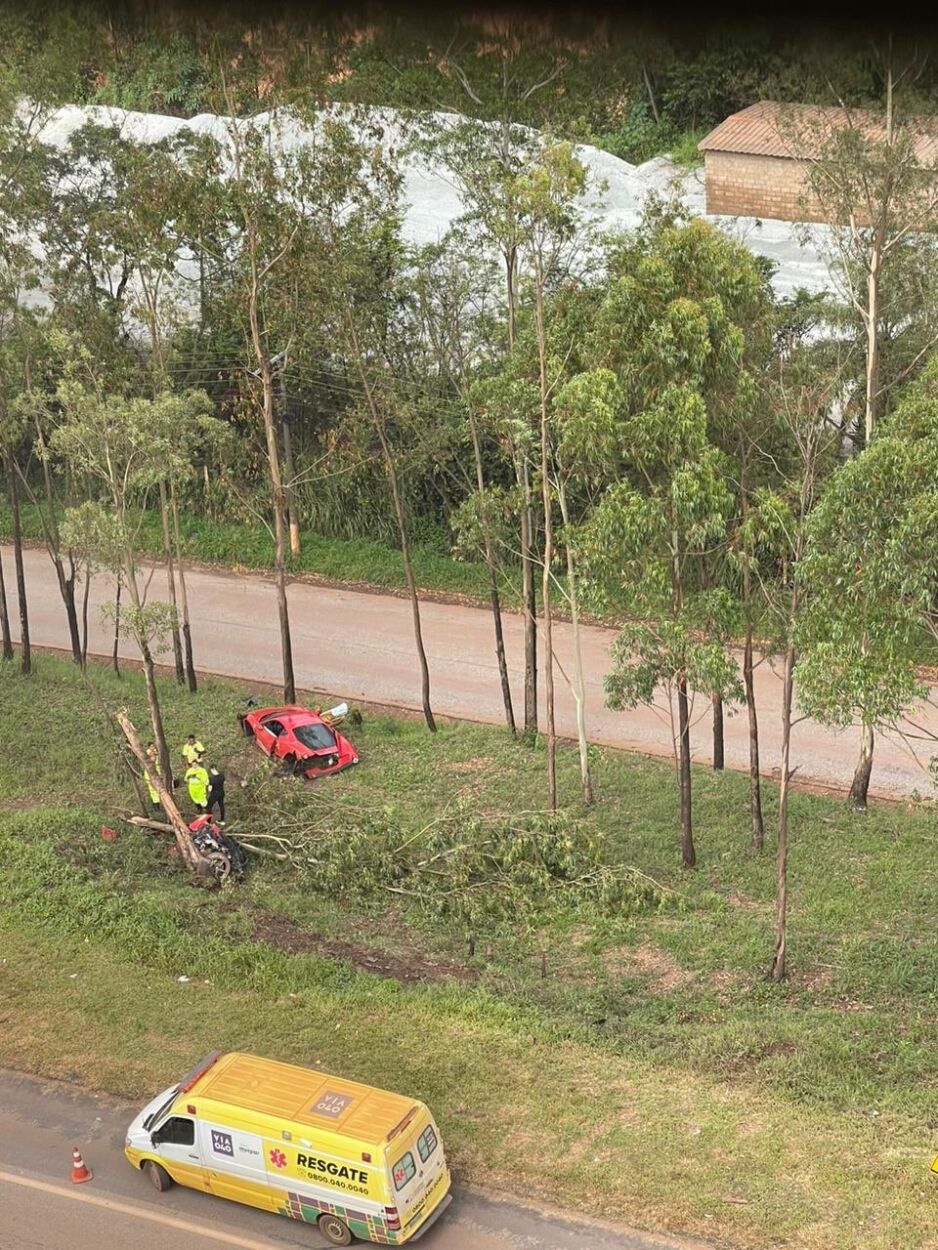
315, 737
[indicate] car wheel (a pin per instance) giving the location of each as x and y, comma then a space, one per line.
290, 765
159, 1178
334, 1230
220, 865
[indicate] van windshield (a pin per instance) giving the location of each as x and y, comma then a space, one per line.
157, 1115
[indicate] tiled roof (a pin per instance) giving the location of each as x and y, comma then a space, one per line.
799, 131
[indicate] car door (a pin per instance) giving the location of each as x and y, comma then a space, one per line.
175, 1143
267, 734
234, 1161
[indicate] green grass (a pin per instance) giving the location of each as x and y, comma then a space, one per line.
677, 1078
241, 546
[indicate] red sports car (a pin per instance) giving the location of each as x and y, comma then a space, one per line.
301, 738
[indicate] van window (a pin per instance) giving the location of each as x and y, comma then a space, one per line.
426, 1143
404, 1170
178, 1131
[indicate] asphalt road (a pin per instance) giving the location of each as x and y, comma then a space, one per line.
41, 1210
358, 645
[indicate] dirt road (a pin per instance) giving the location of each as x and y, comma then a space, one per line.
41, 1210
360, 646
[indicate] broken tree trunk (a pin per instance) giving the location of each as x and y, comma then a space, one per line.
180, 829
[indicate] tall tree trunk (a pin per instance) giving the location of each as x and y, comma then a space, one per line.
50, 529
860, 786
288, 489
276, 480
26, 651
548, 629
183, 594
755, 781
688, 853
67, 589
84, 617
522, 477
872, 340
579, 681
547, 506
117, 627
529, 598
779, 970
651, 94
171, 584
412, 589
7, 640
149, 672
493, 588
718, 750
391, 470
283, 612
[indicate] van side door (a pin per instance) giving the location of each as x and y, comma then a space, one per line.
234, 1162
175, 1141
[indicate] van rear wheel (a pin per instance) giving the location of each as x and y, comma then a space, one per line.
159, 1178
334, 1231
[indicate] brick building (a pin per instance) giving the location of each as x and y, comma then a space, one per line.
755, 162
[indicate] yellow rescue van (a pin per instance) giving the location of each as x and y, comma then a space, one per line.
355, 1160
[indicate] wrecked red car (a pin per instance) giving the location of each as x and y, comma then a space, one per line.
307, 742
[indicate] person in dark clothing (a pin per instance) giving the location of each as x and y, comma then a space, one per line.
216, 794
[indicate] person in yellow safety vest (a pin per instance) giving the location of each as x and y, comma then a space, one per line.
197, 780
192, 750
153, 763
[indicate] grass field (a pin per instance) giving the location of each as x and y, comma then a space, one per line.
636, 1066
359, 560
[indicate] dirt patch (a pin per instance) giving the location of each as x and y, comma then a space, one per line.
662, 972
742, 902
406, 965
817, 978
725, 983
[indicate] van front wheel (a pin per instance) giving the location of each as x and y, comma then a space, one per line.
334, 1231
159, 1178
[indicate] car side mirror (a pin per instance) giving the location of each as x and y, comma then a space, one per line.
155, 1138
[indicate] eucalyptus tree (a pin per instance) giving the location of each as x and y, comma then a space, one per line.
258, 199
727, 278
453, 299
487, 163
870, 177
670, 506
369, 284
549, 191
117, 237
868, 574
802, 391
666, 367
22, 172
873, 179
125, 445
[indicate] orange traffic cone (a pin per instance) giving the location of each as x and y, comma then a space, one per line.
80, 1173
